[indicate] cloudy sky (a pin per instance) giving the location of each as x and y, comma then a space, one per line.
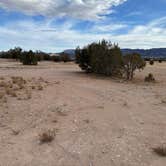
55, 25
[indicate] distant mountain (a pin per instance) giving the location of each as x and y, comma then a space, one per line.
148, 53
70, 52
145, 53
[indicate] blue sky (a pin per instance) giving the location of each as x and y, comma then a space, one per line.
55, 25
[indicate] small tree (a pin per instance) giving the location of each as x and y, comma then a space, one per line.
29, 58
101, 58
151, 62
132, 62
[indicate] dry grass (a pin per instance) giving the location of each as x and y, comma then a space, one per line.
40, 87
28, 94
2, 78
19, 87
2, 94
163, 101
47, 136
160, 150
2, 84
60, 111
149, 78
9, 91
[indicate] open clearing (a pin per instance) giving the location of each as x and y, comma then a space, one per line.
97, 121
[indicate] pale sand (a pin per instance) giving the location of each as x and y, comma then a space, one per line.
106, 122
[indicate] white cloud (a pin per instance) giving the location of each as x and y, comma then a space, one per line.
109, 28
44, 36
84, 9
145, 36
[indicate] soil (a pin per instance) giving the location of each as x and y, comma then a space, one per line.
98, 121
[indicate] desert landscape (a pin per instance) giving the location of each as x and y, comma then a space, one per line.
92, 120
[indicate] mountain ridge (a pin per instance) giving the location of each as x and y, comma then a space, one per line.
146, 53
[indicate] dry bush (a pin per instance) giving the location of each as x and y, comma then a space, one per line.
60, 111
41, 79
87, 121
40, 87
15, 87
33, 87
163, 101
19, 87
28, 94
15, 131
160, 150
19, 81
4, 99
2, 84
151, 62
2, 94
150, 78
2, 78
10, 92
47, 136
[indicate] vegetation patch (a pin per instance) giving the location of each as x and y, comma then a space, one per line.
160, 150
151, 62
106, 58
47, 136
19, 88
150, 78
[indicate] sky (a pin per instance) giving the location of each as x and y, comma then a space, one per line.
56, 25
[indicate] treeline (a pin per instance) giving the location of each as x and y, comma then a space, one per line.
106, 58
31, 58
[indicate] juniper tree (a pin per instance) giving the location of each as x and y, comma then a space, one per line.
29, 58
132, 62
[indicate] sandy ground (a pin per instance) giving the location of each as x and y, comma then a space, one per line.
104, 122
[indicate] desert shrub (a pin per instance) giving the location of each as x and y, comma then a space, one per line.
55, 58
46, 57
106, 58
150, 78
2, 94
160, 150
64, 57
29, 58
151, 62
10, 92
132, 62
40, 87
2, 84
160, 61
101, 58
19, 81
47, 136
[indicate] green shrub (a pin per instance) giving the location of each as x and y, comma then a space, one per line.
160, 61
101, 58
106, 58
151, 62
28, 58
